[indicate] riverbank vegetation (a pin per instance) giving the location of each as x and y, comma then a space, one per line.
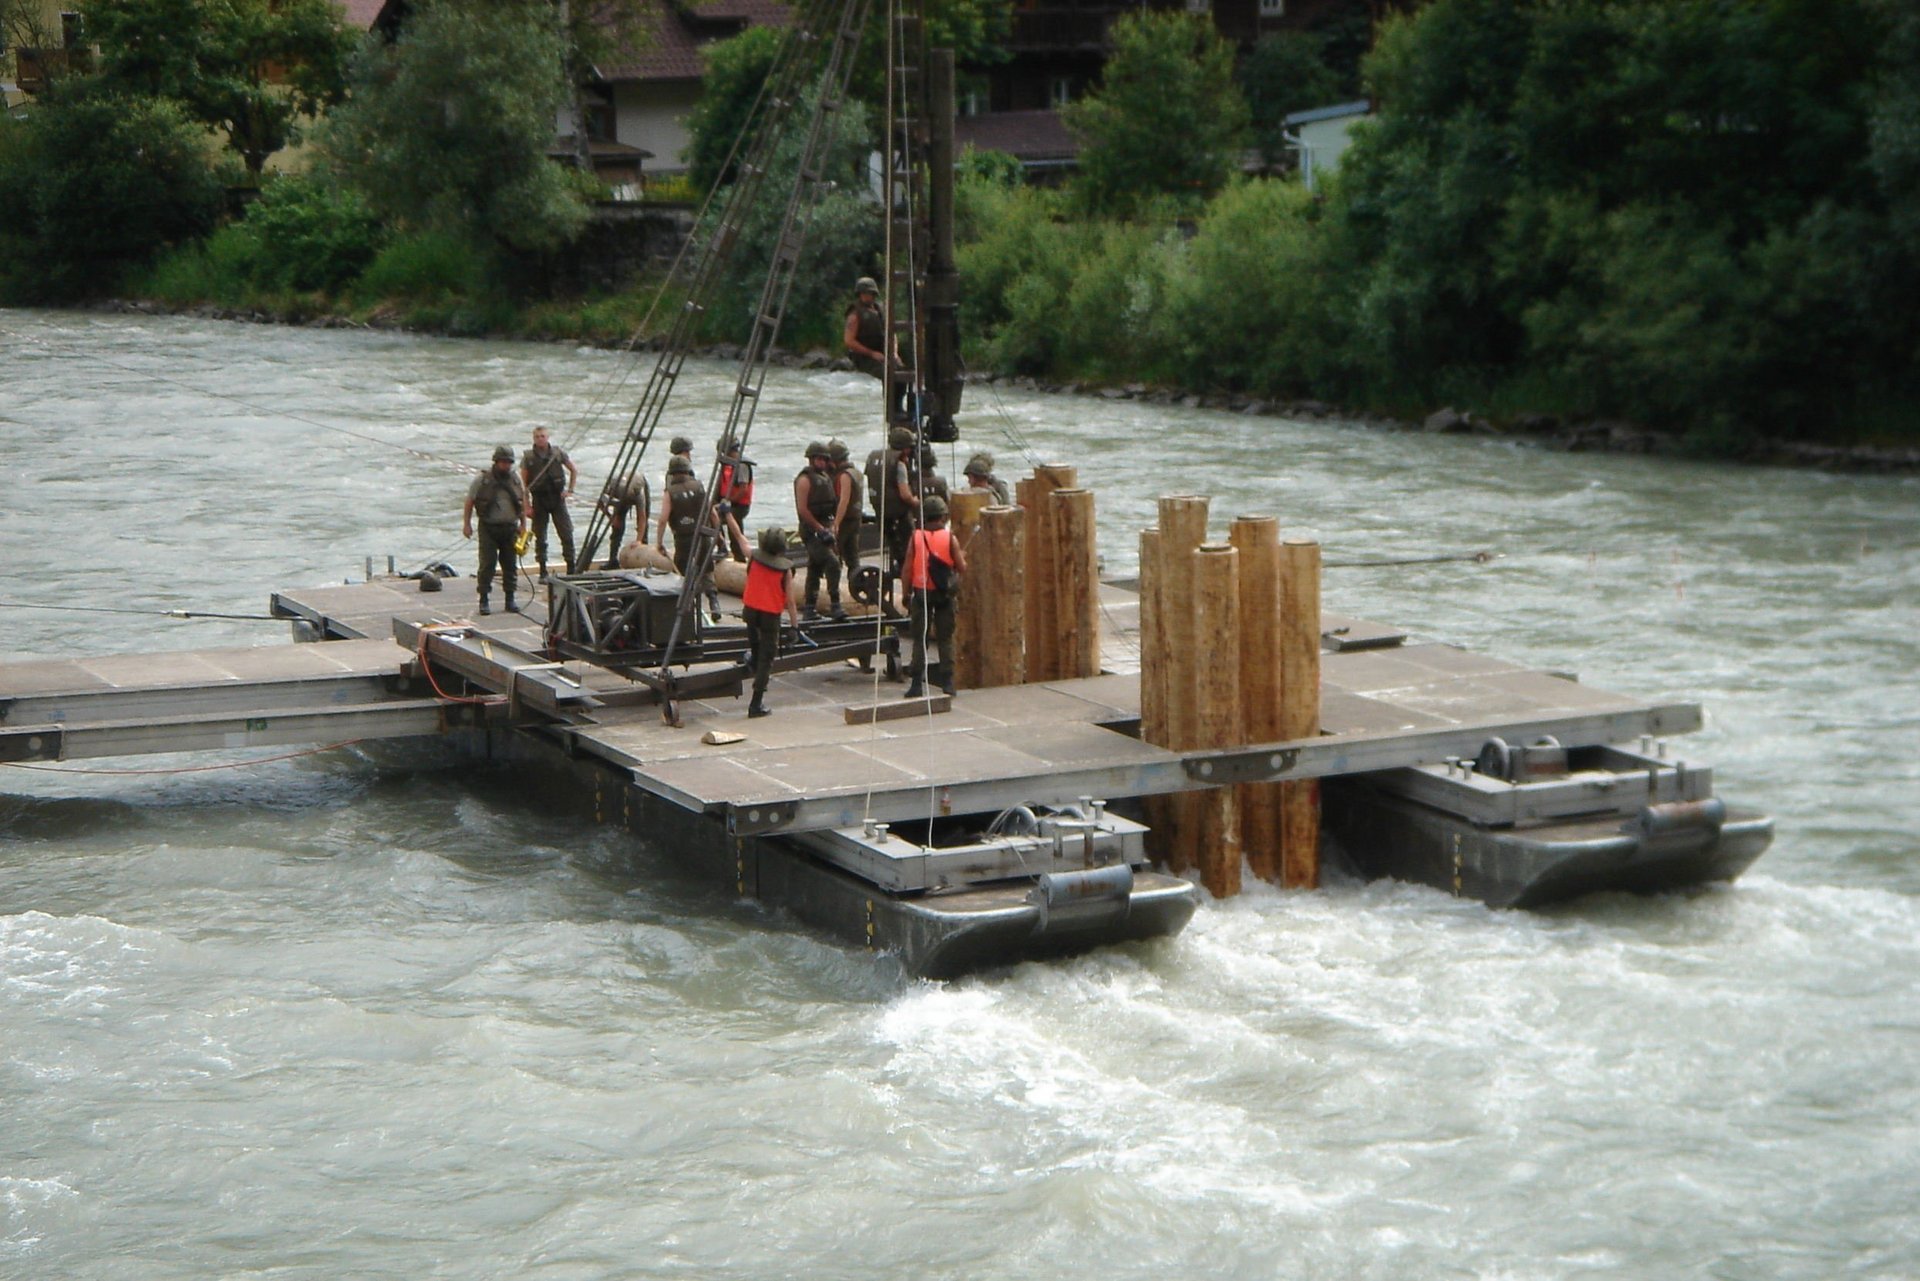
1699, 215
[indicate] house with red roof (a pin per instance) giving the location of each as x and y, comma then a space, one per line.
638, 99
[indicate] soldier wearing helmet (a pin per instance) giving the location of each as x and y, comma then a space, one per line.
736, 487
685, 497
865, 336
891, 494
979, 473
768, 594
848, 496
500, 501
926, 478
817, 502
932, 575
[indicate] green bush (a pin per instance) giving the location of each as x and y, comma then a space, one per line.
96, 183
312, 234
426, 267
222, 269
1248, 307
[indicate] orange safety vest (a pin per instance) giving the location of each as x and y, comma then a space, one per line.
766, 588
938, 543
740, 495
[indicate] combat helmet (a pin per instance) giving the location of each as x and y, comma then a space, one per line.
933, 507
900, 438
680, 466
680, 445
837, 451
773, 541
503, 453
815, 450
866, 285
979, 465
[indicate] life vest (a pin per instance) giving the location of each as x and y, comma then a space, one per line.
547, 472
822, 502
684, 502
766, 587
930, 560
871, 327
497, 499
859, 490
882, 471
739, 494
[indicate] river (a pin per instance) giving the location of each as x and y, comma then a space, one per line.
364, 1015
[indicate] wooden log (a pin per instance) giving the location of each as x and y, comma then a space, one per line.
1040, 602
996, 562
963, 513
1214, 843
1183, 527
1258, 540
730, 576
1300, 704
1154, 664
963, 518
1076, 589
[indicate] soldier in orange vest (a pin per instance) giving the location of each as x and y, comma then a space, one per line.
769, 592
934, 565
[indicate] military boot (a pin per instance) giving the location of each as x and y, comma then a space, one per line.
758, 707
513, 606
916, 689
944, 675
484, 607
838, 614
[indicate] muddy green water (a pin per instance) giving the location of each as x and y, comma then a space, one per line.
366, 1016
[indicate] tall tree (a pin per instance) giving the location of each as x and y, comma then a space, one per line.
448, 127
250, 69
736, 70
96, 182
1166, 117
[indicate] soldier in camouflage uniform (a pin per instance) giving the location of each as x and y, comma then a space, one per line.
850, 493
980, 475
549, 476
500, 501
620, 499
681, 509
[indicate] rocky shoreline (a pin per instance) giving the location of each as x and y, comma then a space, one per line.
1543, 431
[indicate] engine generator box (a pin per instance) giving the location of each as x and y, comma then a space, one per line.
615, 612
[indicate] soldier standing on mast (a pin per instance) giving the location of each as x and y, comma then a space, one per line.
866, 341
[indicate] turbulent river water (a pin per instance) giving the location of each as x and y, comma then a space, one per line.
377, 1015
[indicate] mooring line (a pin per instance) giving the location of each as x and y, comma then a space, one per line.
148, 613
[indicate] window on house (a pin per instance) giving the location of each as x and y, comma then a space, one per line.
1273, 8
1198, 6
72, 36
1059, 91
972, 103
